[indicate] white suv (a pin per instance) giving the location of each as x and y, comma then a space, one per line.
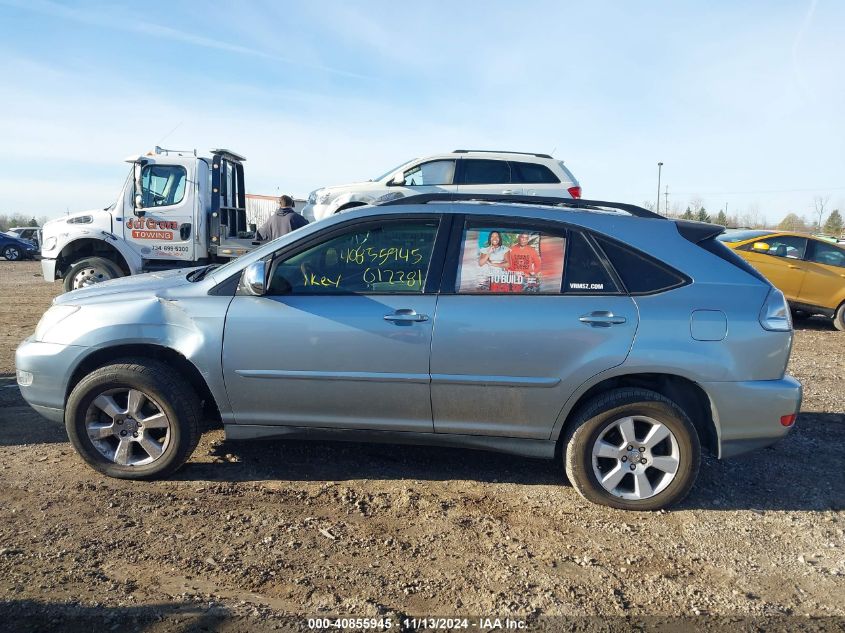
462, 171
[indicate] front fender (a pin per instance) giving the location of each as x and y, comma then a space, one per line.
192, 327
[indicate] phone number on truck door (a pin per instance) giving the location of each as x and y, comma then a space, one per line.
170, 248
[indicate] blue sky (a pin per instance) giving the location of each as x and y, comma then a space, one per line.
744, 103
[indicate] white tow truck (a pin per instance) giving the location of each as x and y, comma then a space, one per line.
176, 209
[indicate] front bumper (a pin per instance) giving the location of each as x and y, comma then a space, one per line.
50, 365
48, 269
747, 414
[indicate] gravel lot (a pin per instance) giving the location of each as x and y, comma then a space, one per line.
273, 532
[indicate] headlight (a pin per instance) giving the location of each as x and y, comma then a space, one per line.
323, 196
52, 318
49, 243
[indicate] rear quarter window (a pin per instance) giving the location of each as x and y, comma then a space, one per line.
532, 173
640, 273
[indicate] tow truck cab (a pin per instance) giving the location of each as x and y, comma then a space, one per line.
176, 209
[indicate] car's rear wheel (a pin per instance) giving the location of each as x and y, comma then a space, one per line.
632, 449
134, 419
839, 317
12, 253
89, 271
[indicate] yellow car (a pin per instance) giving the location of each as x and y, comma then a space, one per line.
808, 270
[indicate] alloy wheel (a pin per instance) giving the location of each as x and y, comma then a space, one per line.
128, 427
635, 457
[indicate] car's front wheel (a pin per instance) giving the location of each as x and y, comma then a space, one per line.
632, 449
134, 419
12, 253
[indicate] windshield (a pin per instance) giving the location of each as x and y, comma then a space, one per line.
395, 169
741, 236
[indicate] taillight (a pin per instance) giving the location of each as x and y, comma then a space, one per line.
775, 314
788, 420
575, 191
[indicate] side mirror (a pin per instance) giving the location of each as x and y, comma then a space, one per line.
255, 279
760, 246
138, 199
398, 180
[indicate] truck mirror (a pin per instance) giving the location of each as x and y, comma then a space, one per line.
254, 280
398, 180
138, 199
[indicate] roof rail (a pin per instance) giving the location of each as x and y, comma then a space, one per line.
571, 203
499, 151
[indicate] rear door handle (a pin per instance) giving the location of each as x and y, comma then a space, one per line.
793, 266
602, 318
405, 315
510, 191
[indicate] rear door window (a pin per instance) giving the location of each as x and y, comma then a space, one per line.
828, 254
485, 172
510, 260
585, 272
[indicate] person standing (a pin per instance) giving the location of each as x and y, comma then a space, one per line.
282, 222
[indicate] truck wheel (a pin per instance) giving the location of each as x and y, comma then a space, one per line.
839, 318
12, 253
134, 419
632, 449
89, 271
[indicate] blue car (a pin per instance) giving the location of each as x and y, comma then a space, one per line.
542, 327
14, 248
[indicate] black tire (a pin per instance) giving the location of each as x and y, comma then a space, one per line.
170, 392
598, 415
839, 318
109, 269
12, 253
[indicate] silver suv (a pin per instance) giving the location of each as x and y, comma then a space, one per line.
601, 335
462, 171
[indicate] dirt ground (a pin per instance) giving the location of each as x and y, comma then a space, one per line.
263, 535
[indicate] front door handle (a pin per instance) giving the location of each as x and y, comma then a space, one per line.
405, 315
793, 266
510, 191
602, 318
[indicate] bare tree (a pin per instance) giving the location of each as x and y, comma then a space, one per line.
819, 203
751, 217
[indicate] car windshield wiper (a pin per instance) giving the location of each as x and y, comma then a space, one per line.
200, 273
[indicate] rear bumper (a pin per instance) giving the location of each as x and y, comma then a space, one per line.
747, 414
48, 269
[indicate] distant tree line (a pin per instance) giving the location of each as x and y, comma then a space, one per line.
19, 219
833, 225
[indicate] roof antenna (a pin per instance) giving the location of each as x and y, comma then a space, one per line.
163, 138
552, 153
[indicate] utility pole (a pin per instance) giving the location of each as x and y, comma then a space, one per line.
667, 200
659, 170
